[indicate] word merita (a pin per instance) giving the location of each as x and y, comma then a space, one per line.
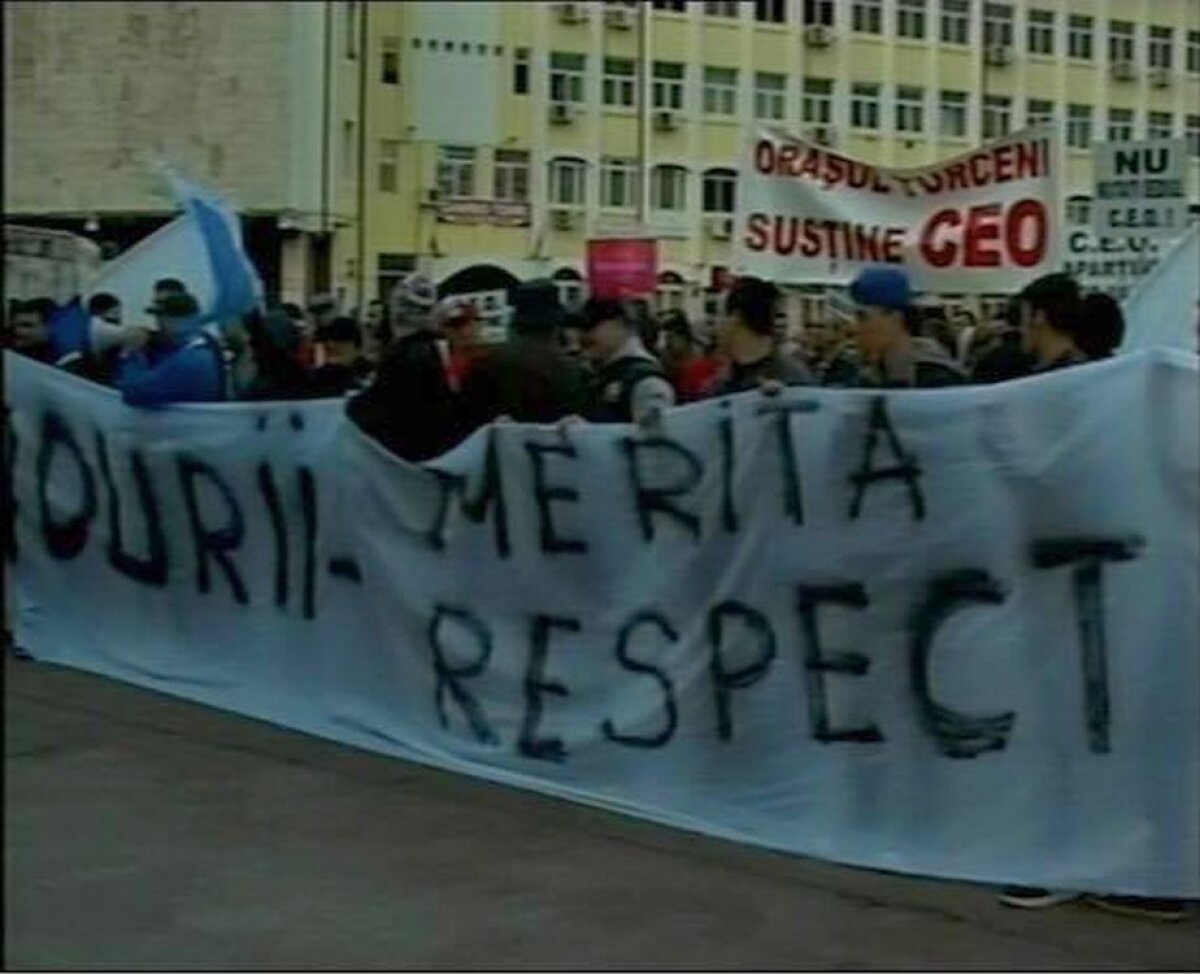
461, 645
668, 499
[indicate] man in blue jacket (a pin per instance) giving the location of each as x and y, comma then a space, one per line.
178, 363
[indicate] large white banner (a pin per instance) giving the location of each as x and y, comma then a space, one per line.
949, 632
984, 222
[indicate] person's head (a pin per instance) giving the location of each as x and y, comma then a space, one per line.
165, 287
680, 341
884, 315
749, 312
106, 306
607, 328
322, 309
175, 315
1102, 326
1049, 310
411, 306
29, 323
458, 321
341, 339
536, 310
374, 314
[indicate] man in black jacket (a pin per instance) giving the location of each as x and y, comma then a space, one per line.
529, 379
749, 340
409, 408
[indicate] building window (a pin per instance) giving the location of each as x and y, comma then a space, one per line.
456, 172
567, 77
910, 109
817, 104
1193, 135
1120, 124
720, 91
568, 183
351, 21
953, 116
1161, 40
720, 191
910, 19
721, 8
769, 95
668, 85
510, 176
620, 82
668, 188
1079, 37
1079, 211
864, 105
1120, 40
390, 72
867, 16
1079, 126
670, 6
347, 147
1041, 32
1160, 125
1039, 111
817, 12
1193, 51
389, 164
956, 21
770, 11
520, 79
997, 116
619, 183
998, 24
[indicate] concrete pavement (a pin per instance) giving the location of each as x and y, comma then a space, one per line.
145, 832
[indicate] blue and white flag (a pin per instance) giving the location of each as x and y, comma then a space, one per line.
202, 248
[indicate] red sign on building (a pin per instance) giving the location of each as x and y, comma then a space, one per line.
622, 267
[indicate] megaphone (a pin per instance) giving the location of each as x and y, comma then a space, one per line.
104, 336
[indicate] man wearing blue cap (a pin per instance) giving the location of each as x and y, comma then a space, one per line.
894, 355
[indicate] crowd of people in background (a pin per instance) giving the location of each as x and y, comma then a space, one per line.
420, 375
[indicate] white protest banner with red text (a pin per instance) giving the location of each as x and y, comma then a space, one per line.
946, 632
984, 222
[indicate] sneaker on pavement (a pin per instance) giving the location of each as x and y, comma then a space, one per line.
1154, 908
1035, 897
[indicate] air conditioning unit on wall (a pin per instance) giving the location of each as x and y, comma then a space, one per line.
720, 228
619, 18
1124, 70
666, 121
823, 135
572, 13
818, 35
562, 113
1161, 77
998, 55
563, 219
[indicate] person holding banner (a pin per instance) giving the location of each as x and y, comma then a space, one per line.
529, 379
749, 340
410, 408
629, 385
894, 355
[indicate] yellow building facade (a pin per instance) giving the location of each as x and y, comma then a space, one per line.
500, 136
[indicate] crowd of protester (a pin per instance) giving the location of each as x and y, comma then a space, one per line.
420, 377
